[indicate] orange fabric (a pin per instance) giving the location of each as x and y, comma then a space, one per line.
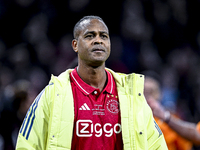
173, 140
198, 126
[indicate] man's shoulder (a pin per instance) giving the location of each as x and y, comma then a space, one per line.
132, 79
124, 75
63, 78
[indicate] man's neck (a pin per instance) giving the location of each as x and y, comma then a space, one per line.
94, 76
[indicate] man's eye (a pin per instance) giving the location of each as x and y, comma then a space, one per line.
104, 36
89, 36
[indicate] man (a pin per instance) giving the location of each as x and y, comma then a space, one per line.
91, 107
175, 131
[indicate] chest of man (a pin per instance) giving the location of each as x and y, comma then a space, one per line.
97, 122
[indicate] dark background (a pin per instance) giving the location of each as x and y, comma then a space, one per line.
158, 35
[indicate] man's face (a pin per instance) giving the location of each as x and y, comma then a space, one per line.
93, 43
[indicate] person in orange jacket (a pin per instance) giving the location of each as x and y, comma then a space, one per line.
179, 134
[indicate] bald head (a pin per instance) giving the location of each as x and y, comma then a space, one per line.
83, 23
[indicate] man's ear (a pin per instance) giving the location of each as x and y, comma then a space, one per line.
75, 45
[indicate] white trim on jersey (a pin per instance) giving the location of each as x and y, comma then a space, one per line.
79, 84
111, 80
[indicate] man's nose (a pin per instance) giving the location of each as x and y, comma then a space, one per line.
98, 40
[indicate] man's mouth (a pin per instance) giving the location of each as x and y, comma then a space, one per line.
98, 49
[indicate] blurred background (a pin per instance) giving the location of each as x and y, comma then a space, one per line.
158, 35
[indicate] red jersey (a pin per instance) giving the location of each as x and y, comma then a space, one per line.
97, 121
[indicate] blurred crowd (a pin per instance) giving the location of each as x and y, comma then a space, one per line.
158, 35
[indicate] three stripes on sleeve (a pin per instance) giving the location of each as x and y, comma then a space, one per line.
30, 117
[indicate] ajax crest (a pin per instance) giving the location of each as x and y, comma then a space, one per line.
112, 106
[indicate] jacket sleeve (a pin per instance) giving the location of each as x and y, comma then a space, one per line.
33, 131
154, 134
198, 126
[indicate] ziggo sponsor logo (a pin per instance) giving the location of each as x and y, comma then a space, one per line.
85, 128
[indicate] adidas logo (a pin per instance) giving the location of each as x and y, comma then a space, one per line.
84, 107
